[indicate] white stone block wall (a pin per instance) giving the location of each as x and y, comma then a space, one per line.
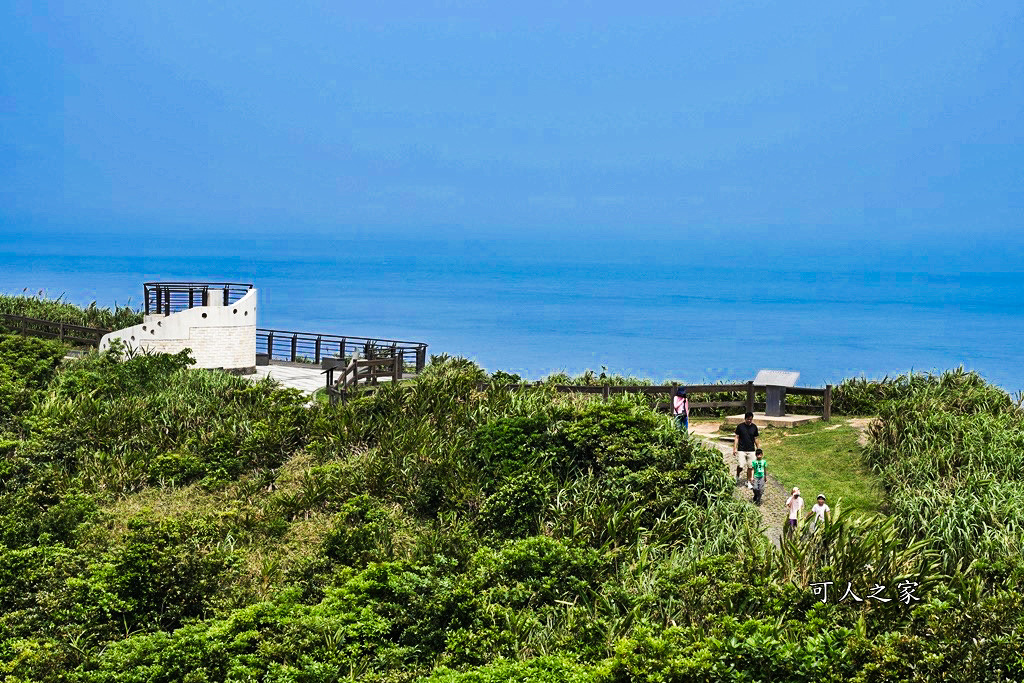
219, 336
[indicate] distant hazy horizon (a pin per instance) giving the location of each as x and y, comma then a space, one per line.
661, 310
694, 190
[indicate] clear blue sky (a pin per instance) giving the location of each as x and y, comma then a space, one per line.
851, 121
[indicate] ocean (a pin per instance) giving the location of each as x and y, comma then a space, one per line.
659, 309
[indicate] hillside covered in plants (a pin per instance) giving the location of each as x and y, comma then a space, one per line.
165, 524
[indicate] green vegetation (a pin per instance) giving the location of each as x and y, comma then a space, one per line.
159, 523
57, 310
823, 457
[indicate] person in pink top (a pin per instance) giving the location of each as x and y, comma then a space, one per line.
681, 410
795, 504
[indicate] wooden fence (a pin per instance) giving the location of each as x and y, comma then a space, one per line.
368, 370
748, 389
78, 335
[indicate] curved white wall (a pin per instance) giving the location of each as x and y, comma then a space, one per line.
219, 336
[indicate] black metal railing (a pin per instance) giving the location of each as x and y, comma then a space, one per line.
164, 298
311, 347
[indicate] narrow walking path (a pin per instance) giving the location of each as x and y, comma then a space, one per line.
773, 501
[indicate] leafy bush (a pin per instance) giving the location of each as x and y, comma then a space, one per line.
160, 524
26, 366
514, 509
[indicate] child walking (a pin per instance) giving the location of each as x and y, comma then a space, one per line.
819, 511
795, 504
759, 465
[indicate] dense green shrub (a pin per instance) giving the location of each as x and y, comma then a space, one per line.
361, 533
162, 524
515, 507
26, 366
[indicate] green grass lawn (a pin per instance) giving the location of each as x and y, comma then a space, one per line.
822, 457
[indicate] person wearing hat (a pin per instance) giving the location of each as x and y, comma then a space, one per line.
681, 410
795, 504
818, 511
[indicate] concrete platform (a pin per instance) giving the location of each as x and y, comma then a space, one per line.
308, 378
762, 420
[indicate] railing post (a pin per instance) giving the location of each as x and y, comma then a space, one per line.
826, 411
606, 392
225, 295
61, 337
341, 348
191, 297
397, 375
421, 358
270, 345
750, 396
167, 301
295, 343
316, 353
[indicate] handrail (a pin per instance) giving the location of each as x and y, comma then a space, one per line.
164, 298
49, 329
312, 347
369, 370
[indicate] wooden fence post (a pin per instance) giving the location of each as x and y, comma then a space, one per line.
826, 411
605, 392
750, 396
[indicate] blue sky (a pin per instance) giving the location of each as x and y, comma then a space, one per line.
846, 121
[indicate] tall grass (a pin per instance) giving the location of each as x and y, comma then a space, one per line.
57, 310
950, 450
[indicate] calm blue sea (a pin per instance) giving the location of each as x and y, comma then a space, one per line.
657, 309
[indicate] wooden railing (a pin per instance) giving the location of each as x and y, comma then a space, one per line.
48, 329
364, 370
164, 298
748, 389
310, 347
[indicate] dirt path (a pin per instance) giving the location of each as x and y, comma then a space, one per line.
773, 502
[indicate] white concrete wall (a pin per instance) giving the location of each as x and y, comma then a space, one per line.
219, 336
